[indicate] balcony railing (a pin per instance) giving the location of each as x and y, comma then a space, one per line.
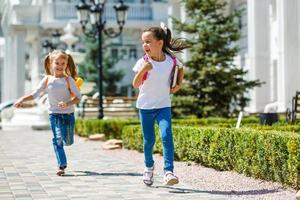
67, 11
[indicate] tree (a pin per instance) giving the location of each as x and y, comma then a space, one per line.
213, 85
89, 71
111, 77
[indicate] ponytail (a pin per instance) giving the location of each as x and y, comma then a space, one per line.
71, 68
170, 44
47, 65
174, 44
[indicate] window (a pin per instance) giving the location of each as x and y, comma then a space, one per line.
124, 54
132, 54
115, 54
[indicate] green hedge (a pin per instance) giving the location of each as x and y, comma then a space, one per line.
111, 128
268, 155
228, 122
264, 152
283, 127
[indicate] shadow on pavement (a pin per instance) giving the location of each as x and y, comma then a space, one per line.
232, 192
89, 173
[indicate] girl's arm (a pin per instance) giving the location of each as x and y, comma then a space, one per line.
73, 101
76, 93
138, 78
180, 79
20, 101
41, 87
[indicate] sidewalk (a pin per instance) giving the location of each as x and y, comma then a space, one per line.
28, 166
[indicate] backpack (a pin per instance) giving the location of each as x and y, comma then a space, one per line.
78, 82
146, 58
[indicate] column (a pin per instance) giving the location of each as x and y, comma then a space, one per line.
259, 52
34, 42
289, 50
176, 9
14, 71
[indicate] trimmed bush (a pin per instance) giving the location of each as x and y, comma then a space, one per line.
266, 152
111, 128
269, 155
214, 121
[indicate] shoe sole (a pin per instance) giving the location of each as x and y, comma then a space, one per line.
60, 173
148, 184
172, 182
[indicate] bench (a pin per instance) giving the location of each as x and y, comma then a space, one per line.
113, 107
293, 114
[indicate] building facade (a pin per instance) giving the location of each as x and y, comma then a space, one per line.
269, 48
27, 23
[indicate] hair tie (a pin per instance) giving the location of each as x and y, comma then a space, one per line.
164, 27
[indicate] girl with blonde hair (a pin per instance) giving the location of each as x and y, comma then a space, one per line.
63, 94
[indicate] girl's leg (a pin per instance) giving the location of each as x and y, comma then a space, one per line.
69, 122
56, 121
147, 122
164, 122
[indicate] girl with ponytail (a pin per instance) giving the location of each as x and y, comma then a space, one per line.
63, 94
153, 77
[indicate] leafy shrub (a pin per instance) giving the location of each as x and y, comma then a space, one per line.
269, 155
111, 128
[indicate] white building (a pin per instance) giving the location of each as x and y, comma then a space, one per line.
27, 23
270, 48
270, 43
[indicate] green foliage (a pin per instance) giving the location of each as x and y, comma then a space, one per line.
268, 155
111, 77
130, 132
265, 152
111, 128
89, 71
213, 85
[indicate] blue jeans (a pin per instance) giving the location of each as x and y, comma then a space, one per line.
62, 126
163, 118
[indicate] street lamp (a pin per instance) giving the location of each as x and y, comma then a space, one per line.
93, 13
49, 46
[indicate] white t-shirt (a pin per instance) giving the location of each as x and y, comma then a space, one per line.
155, 91
57, 89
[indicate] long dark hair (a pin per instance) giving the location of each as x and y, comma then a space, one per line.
170, 44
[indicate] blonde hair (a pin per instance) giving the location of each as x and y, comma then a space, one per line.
71, 67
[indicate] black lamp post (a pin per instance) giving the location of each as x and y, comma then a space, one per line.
49, 46
93, 13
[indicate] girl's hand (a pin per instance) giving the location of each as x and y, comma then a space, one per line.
147, 66
175, 89
19, 103
62, 105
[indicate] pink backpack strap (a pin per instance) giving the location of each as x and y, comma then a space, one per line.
174, 61
146, 58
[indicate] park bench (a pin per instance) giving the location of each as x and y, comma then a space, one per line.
293, 114
113, 107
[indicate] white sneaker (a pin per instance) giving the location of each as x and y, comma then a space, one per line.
148, 178
170, 178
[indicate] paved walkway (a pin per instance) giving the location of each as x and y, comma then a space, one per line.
28, 166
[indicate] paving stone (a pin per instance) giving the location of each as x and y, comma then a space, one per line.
91, 174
